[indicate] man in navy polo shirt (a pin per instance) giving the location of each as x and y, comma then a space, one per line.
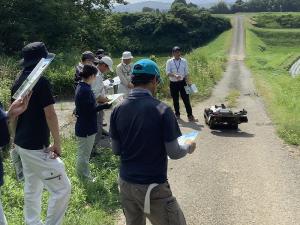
144, 133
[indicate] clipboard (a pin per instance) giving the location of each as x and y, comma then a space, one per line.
32, 78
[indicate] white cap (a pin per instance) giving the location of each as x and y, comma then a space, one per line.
108, 61
127, 55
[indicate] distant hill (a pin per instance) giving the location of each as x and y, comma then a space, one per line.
162, 5
138, 7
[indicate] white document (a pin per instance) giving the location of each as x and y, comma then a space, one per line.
191, 89
33, 78
188, 137
108, 82
115, 98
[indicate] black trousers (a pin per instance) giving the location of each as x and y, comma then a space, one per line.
175, 89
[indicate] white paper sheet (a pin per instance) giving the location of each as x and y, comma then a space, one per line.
188, 137
116, 81
115, 98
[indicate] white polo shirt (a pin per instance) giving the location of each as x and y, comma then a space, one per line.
179, 67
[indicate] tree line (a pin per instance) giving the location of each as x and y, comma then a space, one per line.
66, 24
257, 6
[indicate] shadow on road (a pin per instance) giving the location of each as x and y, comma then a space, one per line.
223, 132
192, 125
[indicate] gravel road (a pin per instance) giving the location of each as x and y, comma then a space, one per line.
239, 177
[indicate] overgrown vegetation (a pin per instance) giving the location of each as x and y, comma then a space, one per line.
269, 61
277, 21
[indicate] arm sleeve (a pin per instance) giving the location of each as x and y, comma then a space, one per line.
113, 132
123, 80
176, 151
171, 130
45, 96
4, 132
168, 67
103, 106
116, 147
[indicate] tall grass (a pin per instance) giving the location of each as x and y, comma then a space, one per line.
280, 90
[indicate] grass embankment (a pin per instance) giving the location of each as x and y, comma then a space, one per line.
97, 203
270, 61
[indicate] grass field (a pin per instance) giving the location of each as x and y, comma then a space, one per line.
269, 63
97, 203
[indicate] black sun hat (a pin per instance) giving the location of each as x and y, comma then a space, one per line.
33, 53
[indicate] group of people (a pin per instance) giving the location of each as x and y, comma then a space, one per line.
140, 119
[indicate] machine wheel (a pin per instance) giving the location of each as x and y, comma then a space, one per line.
211, 124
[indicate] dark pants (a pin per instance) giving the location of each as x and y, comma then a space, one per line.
175, 89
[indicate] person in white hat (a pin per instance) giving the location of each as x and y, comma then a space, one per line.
124, 72
105, 65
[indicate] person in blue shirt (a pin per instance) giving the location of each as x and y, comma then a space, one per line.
17, 108
144, 133
86, 124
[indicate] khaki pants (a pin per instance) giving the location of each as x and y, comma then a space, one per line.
100, 118
85, 146
164, 209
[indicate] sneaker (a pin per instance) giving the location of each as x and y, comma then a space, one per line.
177, 117
191, 118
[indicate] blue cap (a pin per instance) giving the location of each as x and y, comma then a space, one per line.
146, 66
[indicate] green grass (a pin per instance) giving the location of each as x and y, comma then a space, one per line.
269, 64
90, 204
277, 20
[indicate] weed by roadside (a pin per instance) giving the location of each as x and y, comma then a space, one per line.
232, 97
280, 91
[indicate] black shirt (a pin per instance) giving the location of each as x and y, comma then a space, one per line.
4, 134
142, 125
86, 111
4, 139
32, 129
